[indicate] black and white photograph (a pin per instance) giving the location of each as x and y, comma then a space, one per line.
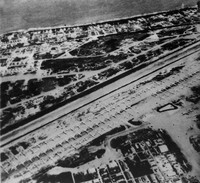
100, 91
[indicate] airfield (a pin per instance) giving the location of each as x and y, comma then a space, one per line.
110, 102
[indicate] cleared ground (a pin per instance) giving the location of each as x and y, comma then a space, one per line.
138, 100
